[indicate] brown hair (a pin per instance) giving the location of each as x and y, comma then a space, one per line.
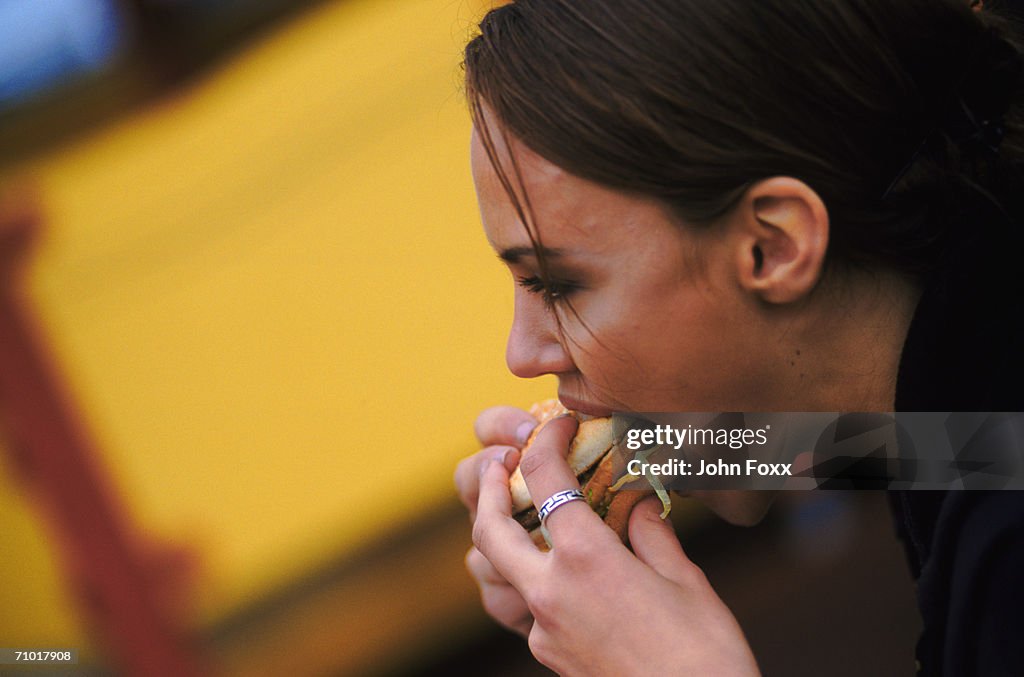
692, 101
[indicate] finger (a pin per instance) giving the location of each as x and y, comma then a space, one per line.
499, 537
655, 543
467, 472
504, 425
546, 472
500, 599
504, 604
482, 570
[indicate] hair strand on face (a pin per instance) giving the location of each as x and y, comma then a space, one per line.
524, 212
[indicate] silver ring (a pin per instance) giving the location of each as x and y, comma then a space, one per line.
557, 500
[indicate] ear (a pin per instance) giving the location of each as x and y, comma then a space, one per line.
780, 239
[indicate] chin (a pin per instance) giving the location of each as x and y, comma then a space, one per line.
741, 508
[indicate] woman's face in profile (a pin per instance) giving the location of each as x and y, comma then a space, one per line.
656, 323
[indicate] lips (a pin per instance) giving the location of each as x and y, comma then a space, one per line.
584, 407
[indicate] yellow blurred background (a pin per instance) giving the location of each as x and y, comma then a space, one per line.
270, 298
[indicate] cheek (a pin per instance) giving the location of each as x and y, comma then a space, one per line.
663, 345
675, 341
700, 363
630, 359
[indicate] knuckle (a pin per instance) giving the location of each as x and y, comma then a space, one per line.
487, 425
469, 498
534, 463
537, 642
492, 603
482, 570
500, 424
501, 606
543, 603
463, 471
474, 559
541, 646
575, 555
467, 473
480, 537
692, 575
481, 428
498, 452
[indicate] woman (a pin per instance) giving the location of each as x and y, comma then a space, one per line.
723, 205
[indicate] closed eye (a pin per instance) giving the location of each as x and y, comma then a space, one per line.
552, 290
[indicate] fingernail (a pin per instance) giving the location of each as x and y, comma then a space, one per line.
565, 416
524, 430
510, 459
497, 457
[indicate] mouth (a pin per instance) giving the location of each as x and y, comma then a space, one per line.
584, 407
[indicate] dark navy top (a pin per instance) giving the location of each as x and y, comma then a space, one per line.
964, 352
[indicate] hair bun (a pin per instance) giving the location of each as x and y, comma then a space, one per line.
975, 120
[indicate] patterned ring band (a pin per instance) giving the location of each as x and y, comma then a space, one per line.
557, 500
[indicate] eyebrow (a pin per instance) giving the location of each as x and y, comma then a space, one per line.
514, 254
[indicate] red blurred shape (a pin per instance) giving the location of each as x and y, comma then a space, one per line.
128, 588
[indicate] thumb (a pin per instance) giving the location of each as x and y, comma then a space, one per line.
654, 541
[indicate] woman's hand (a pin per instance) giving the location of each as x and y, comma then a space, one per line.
590, 606
502, 431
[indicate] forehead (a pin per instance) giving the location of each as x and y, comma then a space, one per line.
566, 209
529, 175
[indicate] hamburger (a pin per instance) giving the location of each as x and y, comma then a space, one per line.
594, 458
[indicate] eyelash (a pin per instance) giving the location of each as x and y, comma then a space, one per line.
552, 292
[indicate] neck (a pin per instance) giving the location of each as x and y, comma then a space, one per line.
851, 342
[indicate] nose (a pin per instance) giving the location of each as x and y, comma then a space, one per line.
535, 344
